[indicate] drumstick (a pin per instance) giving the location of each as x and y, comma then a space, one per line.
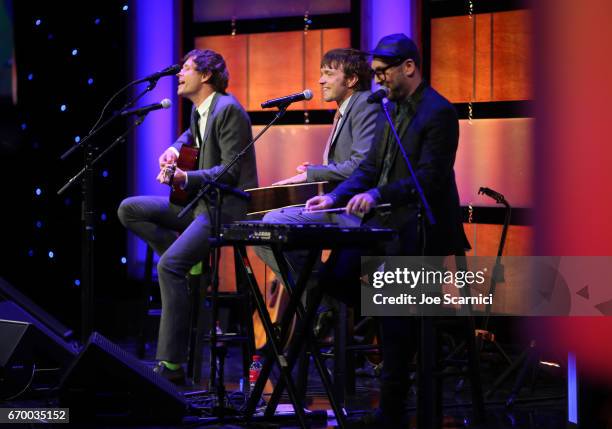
342, 209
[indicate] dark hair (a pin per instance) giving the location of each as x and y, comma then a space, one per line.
353, 63
210, 61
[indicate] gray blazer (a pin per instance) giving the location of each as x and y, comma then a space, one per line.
228, 131
352, 141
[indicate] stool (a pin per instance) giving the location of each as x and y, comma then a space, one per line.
199, 282
245, 336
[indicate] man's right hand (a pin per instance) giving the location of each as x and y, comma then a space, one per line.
320, 202
169, 157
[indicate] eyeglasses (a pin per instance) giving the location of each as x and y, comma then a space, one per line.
381, 73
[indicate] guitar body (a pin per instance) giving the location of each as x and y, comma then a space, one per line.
276, 299
271, 198
187, 161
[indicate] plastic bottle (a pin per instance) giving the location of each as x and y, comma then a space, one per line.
254, 371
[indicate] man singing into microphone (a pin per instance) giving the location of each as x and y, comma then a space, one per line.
220, 128
428, 128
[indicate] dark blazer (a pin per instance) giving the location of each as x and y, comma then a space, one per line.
430, 140
352, 142
228, 131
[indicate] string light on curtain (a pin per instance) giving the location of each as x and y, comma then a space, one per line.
307, 22
473, 21
233, 26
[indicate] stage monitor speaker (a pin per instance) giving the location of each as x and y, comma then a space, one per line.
29, 357
16, 361
107, 384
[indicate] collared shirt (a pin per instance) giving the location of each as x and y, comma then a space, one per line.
341, 109
203, 110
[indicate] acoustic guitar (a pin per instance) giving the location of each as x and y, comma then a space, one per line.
187, 161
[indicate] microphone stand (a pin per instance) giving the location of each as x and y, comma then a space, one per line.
427, 413
85, 140
87, 204
86, 175
213, 190
423, 204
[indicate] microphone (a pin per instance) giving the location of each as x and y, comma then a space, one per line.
378, 96
168, 71
288, 99
164, 104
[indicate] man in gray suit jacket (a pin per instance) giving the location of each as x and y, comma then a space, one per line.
346, 78
220, 128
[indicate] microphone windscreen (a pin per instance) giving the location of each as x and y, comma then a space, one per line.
307, 94
166, 103
377, 96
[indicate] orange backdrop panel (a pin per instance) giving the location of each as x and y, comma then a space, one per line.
498, 154
284, 147
275, 65
512, 38
487, 58
270, 65
452, 57
234, 51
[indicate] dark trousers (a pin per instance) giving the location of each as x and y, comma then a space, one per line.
155, 220
340, 278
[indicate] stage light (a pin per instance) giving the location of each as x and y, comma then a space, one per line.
125, 7
75, 52
39, 224
97, 21
51, 254
30, 76
123, 260
77, 282
24, 126
38, 22
30, 252
77, 139
90, 81
103, 217
63, 107
105, 173
38, 191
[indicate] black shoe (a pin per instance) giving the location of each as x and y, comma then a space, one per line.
175, 376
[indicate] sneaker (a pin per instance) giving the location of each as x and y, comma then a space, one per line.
177, 377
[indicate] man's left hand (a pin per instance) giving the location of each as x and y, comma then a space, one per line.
361, 204
298, 178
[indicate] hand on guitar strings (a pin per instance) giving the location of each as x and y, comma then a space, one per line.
173, 176
169, 157
302, 167
298, 178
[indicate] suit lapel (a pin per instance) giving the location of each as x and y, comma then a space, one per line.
344, 117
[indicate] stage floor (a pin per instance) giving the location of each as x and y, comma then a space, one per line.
544, 406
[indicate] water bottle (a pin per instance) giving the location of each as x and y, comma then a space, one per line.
254, 371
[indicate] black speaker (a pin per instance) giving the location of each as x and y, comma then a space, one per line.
29, 358
14, 305
16, 362
106, 383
